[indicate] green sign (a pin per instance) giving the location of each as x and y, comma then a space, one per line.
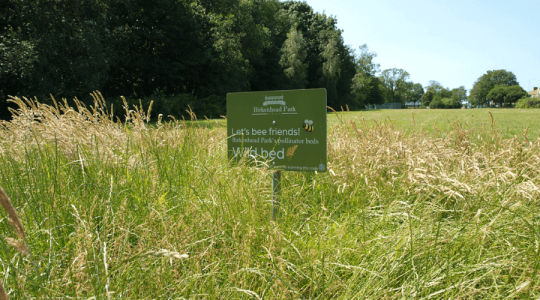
285, 128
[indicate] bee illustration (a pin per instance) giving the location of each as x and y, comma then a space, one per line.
308, 125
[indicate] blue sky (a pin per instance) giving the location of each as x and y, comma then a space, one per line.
452, 42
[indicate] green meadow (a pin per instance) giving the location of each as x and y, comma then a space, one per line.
440, 206
509, 122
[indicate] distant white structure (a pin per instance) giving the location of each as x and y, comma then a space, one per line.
535, 93
396, 105
413, 103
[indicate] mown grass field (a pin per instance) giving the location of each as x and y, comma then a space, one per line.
509, 122
131, 211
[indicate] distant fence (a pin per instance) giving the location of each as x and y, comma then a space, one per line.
384, 106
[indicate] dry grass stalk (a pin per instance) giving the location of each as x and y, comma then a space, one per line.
3, 294
14, 218
492, 120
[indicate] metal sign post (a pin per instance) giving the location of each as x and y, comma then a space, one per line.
276, 191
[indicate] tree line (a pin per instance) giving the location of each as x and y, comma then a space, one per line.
183, 53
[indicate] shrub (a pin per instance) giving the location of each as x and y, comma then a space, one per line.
437, 102
451, 103
527, 102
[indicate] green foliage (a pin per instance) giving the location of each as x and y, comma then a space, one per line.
416, 92
292, 59
321, 34
506, 94
497, 94
166, 45
330, 54
437, 102
331, 67
451, 103
365, 86
175, 106
64, 42
514, 93
522, 103
200, 48
442, 97
17, 59
445, 93
267, 73
528, 102
395, 85
427, 97
435, 86
487, 82
459, 94
366, 90
365, 61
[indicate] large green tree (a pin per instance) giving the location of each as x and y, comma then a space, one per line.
417, 92
395, 85
506, 94
413, 92
331, 67
293, 59
435, 86
514, 93
365, 86
366, 89
427, 97
459, 95
445, 97
267, 73
365, 61
485, 83
437, 102
325, 52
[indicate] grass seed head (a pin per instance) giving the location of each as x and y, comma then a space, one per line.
167, 253
18, 245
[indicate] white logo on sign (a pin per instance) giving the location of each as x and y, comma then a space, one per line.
273, 100
266, 109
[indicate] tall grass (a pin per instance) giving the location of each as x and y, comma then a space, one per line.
400, 214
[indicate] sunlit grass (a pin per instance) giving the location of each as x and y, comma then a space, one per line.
132, 211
